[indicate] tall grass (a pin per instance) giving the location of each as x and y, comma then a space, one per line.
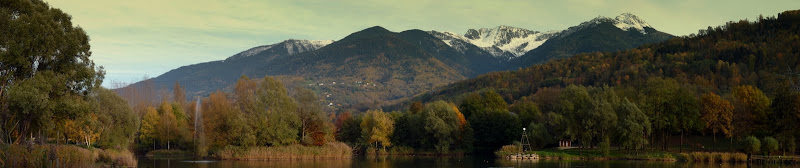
713, 157
116, 158
291, 152
60, 156
401, 150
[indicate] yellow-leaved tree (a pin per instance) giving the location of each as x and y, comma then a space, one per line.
148, 133
717, 113
376, 128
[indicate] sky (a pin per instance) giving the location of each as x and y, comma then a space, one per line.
146, 38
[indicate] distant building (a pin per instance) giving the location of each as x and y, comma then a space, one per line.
564, 144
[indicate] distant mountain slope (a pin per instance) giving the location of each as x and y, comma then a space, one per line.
204, 78
626, 31
367, 66
763, 54
375, 66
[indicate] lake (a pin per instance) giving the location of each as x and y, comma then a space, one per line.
424, 162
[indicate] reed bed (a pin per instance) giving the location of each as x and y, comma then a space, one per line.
116, 158
51, 155
713, 157
331, 150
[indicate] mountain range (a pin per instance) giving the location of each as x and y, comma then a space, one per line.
375, 67
715, 60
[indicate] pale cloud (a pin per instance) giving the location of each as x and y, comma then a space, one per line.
149, 37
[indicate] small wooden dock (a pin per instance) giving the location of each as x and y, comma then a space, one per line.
775, 159
523, 157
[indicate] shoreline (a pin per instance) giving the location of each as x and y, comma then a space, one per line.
690, 157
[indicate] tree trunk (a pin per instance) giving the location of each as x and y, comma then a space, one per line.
730, 148
681, 150
664, 140
715, 137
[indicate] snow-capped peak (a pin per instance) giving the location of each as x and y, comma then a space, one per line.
291, 46
501, 41
298, 46
627, 21
624, 21
251, 51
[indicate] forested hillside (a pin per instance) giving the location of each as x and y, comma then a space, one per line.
737, 80
761, 53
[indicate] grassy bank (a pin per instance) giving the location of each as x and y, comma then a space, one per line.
330, 150
592, 154
62, 156
712, 157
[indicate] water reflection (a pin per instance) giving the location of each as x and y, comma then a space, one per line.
429, 161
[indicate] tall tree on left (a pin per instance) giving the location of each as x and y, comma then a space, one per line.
45, 71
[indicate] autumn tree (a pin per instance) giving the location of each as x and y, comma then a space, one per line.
270, 111
168, 125
350, 131
717, 114
179, 94
224, 123
314, 123
751, 108
377, 127
341, 118
415, 107
148, 133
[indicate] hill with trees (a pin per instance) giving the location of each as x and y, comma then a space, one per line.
375, 67
736, 80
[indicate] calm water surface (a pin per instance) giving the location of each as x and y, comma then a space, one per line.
425, 162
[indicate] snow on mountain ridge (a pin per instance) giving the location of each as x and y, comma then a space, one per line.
627, 21
292, 47
624, 21
298, 46
499, 41
451, 39
251, 51
503, 40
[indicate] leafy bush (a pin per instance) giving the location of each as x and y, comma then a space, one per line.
507, 150
770, 145
752, 145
